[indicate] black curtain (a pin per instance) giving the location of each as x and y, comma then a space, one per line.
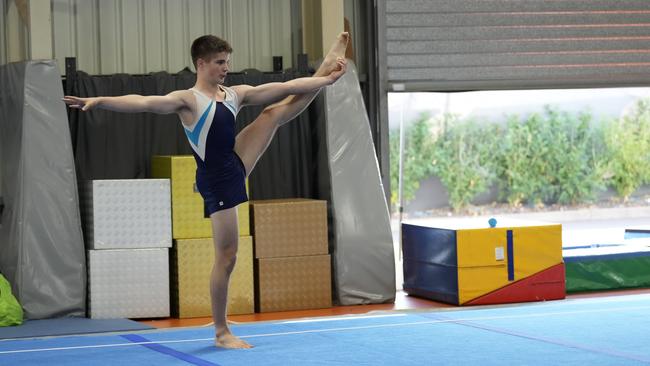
111, 145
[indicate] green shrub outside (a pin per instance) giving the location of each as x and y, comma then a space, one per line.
418, 154
464, 158
550, 158
628, 147
544, 158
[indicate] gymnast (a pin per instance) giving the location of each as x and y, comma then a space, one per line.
225, 158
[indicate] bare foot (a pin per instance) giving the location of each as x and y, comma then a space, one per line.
228, 340
337, 50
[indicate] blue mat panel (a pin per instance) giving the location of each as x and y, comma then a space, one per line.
68, 326
430, 254
637, 233
603, 331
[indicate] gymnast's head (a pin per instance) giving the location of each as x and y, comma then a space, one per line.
211, 55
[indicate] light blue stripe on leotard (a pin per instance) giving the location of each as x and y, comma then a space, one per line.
194, 134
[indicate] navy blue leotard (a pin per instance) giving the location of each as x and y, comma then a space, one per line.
220, 173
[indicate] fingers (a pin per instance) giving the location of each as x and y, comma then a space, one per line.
75, 102
341, 62
71, 101
341, 65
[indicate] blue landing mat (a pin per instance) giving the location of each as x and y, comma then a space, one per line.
602, 331
637, 233
68, 326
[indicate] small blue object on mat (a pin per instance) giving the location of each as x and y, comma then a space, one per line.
492, 222
68, 326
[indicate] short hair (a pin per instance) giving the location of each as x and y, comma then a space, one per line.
208, 45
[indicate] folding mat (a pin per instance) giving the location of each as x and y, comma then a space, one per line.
41, 257
608, 259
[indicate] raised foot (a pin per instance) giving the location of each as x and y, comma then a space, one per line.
339, 46
231, 342
336, 51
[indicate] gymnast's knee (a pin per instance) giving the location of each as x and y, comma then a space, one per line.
226, 255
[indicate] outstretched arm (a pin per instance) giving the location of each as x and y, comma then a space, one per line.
273, 92
160, 104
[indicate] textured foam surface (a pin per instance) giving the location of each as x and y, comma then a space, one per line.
292, 227
128, 214
128, 283
192, 261
293, 283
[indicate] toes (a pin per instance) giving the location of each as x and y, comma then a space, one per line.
232, 343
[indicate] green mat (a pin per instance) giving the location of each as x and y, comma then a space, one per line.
606, 268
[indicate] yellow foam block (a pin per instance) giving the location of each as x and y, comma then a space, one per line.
481, 267
192, 261
188, 220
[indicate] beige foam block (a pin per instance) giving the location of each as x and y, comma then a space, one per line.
293, 283
188, 221
192, 261
289, 227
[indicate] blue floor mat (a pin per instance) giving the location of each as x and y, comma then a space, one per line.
603, 331
67, 326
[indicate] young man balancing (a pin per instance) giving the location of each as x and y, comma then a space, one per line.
224, 159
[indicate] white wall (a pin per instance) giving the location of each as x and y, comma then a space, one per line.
142, 36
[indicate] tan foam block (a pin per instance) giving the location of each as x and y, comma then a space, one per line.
289, 227
293, 283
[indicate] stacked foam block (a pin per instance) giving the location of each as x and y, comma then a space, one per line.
292, 264
468, 263
127, 229
192, 254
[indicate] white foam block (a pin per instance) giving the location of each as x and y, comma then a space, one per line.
128, 283
127, 214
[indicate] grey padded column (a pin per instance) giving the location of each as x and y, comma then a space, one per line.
41, 246
364, 263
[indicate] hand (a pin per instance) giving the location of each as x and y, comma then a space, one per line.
339, 70
80, 103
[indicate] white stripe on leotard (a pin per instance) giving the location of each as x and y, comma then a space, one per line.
203, 102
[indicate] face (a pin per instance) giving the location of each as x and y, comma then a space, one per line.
215, 68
